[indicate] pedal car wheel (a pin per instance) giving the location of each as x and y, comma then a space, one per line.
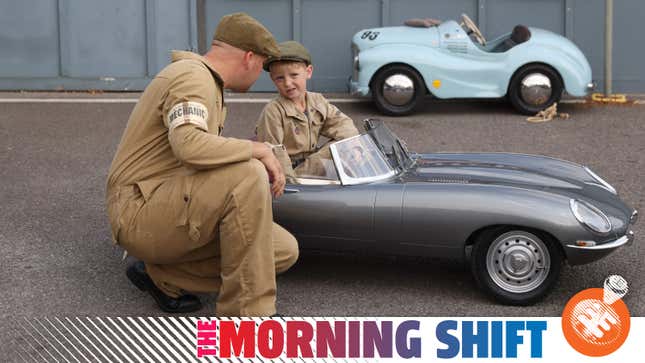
533, 88
516, 267
396, 90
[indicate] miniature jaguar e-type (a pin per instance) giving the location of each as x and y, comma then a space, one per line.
531, 67
514, 218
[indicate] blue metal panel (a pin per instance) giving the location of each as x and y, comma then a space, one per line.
503, 15
401, 10
589, 30
568, 18
589, 35
327, 30
29, 39
104, 38
120, 44
482, 20
274, 14
81, 44
66, 83
629, 53
171, 16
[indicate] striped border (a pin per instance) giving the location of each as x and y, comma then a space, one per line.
123, 339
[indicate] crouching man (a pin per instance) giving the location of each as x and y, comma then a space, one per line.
193, 206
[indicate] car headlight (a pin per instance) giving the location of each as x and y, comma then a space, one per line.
590, 216
602, 183
355, 64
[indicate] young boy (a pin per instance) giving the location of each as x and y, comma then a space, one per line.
297, 118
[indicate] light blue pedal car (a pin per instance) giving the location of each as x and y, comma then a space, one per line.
531, 67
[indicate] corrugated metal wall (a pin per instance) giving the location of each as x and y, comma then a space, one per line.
90, 44
120, 44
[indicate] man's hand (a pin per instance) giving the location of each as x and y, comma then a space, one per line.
264, 153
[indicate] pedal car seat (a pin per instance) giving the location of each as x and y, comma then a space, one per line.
519, 35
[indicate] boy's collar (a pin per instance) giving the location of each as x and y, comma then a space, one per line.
292, 111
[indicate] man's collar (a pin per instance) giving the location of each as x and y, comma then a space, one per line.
177, 55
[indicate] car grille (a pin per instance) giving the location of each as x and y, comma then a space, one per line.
457, 47
448, 180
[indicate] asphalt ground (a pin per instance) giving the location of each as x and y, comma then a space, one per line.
57, 258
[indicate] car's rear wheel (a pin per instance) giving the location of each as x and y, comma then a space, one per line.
515, 266
397, 89
534, 87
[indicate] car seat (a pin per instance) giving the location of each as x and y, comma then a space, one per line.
520, 34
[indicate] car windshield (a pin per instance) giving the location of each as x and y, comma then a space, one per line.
358, 160
320, 167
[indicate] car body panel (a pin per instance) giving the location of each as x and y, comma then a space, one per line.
330, 221
453, 66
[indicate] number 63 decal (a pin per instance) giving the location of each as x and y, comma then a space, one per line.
369, 35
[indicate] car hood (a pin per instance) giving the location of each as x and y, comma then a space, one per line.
528, 171
369, 38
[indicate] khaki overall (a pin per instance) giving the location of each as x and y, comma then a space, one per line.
282, 123
191, 204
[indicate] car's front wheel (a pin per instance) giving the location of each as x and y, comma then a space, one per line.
516, 267
397, 89
534, 87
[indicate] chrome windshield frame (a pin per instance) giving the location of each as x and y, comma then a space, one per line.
346, 179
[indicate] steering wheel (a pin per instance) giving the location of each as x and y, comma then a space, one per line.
470, 27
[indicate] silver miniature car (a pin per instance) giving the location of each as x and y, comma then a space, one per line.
515, 217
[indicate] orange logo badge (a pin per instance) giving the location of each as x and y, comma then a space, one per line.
596, 321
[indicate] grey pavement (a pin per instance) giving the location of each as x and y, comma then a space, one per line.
57, 258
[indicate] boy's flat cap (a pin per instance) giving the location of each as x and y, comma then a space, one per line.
289, 51
243, 31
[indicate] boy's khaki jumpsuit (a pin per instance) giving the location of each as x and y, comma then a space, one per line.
282, 123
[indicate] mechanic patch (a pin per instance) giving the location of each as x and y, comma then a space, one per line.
188, 112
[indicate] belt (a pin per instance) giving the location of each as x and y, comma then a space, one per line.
297, 159
296, 162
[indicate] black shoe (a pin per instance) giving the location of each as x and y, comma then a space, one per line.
183, 304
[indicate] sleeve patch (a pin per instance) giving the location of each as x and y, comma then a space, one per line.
188, 112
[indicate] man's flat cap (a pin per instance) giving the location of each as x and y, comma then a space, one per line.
243, 31
289, 51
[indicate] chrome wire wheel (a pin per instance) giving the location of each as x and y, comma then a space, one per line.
518, 262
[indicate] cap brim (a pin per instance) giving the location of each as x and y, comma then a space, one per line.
267, 64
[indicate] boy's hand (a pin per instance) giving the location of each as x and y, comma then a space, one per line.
277, 179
